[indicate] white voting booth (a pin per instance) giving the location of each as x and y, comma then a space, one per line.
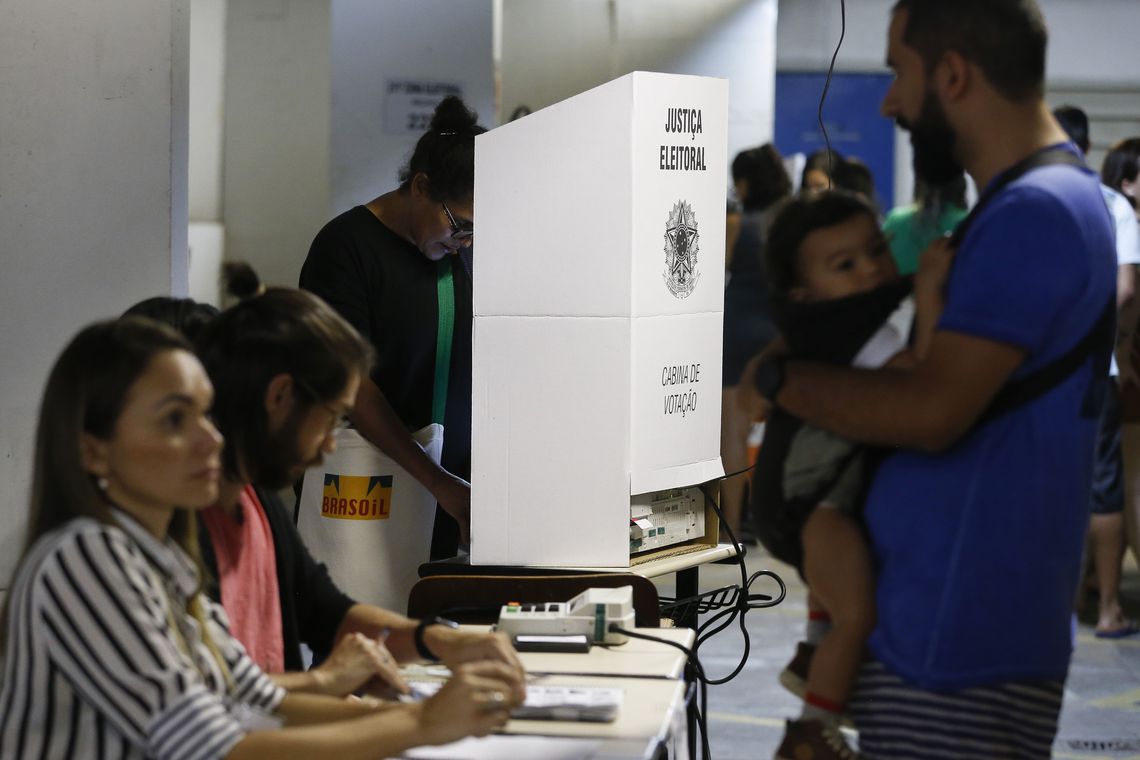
599, 302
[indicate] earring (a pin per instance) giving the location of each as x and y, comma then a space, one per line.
101, 483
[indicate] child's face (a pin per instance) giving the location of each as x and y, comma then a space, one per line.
844, 259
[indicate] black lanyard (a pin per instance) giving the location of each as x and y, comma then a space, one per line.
1050, 156
1098, 341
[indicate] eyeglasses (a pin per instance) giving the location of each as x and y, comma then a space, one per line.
338, 419
459, 233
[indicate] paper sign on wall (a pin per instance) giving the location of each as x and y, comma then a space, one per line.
409, 104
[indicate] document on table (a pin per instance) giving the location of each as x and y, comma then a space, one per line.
498, 747
594, 704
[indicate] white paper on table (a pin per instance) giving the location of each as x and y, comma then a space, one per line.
510, 748
572, 703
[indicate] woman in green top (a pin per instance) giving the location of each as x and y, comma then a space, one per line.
936, 212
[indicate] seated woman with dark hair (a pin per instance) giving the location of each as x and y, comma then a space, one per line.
110, 649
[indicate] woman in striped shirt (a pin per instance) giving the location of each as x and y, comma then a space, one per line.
109, 648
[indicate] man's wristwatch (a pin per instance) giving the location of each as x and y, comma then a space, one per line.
418, 637
769, 378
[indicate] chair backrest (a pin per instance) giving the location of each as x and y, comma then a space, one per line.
477, 598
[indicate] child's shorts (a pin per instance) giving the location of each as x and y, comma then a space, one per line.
825, 469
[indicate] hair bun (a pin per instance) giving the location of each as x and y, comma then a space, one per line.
451, 115
240, 280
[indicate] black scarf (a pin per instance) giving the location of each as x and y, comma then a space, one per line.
833, 331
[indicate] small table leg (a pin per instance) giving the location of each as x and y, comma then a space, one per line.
688, 583
688, 586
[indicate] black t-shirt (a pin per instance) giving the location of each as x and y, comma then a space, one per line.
386, 288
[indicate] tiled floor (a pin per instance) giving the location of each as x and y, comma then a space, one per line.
1100, 718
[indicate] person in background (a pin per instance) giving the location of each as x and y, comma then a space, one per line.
381, 266
1106, 525
854, 176
1121, 170
937, 210
732, 214
819, 170
760, 182
110, 647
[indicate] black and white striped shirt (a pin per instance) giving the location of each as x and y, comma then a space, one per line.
92, 668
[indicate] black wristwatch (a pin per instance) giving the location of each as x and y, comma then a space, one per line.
769, 378
418, 637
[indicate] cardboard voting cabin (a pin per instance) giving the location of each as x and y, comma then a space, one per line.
599, 301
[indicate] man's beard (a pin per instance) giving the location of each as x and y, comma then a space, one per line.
933, 141
279, 461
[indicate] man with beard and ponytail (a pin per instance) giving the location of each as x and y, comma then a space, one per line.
977, 514
286, 369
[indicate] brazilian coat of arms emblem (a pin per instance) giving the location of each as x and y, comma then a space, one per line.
682, 245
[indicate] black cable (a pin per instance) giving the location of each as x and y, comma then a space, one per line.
745, 599
692, 663
734, 474
827, 86
744, 602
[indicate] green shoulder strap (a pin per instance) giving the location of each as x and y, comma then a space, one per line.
445, 296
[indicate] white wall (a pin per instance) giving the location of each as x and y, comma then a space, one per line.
808, 31
446, 41
552, 49
1093, 42
276, 136
92, 192
207, 116
207, 107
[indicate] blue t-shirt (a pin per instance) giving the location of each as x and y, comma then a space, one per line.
979, 545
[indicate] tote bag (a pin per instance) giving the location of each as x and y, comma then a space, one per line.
368, 520
362, 514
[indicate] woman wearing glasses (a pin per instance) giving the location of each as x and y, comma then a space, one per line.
389, 267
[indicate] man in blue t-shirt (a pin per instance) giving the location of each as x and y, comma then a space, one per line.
977, 519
